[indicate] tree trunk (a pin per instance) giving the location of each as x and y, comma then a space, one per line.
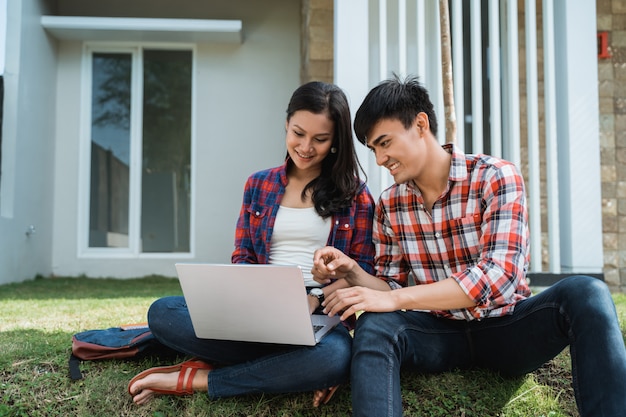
446, 68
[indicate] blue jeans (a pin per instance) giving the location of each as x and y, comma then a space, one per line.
246, 368
577, 312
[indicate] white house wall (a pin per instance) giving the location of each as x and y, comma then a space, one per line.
240, 94
26, 186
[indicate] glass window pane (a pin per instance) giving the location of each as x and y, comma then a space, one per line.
166, 167
110, 150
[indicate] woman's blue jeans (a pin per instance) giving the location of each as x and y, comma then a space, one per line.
577, 312
245, 368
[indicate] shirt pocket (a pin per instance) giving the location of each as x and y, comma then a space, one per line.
465, 236
343, 228
257, 215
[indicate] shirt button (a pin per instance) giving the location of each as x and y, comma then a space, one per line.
346, 225
258, 213
437, 234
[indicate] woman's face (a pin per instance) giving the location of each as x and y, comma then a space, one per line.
309, 139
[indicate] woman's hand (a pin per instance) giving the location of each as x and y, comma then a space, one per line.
314, 303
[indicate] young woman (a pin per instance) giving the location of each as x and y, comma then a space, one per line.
314, 199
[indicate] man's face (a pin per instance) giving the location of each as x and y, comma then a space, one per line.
402, 151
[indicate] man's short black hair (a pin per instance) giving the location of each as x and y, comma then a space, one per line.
394, 99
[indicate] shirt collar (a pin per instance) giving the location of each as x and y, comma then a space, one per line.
282, 174
458, 166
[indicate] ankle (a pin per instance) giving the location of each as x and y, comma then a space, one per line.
201, 380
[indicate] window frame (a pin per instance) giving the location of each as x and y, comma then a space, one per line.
135, 162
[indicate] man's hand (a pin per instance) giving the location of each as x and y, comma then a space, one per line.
347, 301
330, 263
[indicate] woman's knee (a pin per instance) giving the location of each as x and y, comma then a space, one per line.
166, 303
339, 342
165, 312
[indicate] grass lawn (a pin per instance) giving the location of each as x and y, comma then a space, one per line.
38, 318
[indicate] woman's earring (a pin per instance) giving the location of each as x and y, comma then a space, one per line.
333, 150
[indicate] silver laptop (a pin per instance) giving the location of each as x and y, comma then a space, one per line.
253, 303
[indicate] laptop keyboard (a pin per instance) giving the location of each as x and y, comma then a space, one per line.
316, 328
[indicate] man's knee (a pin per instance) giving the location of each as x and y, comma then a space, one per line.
375, 330
583, 287
588, 295
372, 323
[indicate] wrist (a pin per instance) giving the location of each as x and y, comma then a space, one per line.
352, 276
318, 294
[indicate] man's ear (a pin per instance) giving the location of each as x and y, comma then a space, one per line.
421, 122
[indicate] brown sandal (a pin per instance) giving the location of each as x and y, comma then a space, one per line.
185, 379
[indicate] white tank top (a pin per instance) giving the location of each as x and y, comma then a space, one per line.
298, 232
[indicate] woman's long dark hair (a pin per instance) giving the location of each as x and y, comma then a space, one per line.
338, 183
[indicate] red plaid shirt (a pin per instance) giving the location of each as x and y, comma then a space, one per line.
351, 232
477, 233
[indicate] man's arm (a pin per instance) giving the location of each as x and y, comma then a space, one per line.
441, 295
369, 293
330, 263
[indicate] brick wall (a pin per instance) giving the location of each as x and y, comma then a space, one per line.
317, 41
611, 18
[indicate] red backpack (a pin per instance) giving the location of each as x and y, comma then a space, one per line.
114, 343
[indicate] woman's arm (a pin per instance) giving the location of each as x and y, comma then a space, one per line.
244, 249
361, 248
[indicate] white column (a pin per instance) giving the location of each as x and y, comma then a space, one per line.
456, 32
533, 183
351, 69
510, 75
578, 136
552, 154
477, 74
433, 78
495, 97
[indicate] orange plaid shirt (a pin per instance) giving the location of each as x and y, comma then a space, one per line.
477, 233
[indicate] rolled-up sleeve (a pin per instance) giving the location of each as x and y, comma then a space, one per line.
495, 279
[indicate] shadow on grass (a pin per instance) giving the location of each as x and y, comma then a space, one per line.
98, 288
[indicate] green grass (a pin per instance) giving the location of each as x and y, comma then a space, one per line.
38, 318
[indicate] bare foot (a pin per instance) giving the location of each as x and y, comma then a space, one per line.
144, 389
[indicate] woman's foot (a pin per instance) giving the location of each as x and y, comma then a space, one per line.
323, 396
182, 379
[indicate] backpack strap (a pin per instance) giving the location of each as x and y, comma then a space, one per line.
74, 365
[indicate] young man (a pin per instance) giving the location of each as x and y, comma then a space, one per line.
452, 252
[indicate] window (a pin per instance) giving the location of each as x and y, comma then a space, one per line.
140, 151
